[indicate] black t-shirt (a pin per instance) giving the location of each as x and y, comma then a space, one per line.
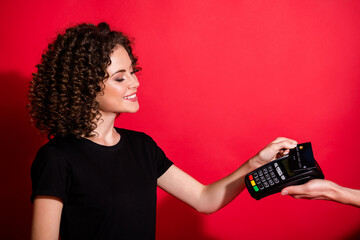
107, 192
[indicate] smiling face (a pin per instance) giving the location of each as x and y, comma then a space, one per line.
119, 94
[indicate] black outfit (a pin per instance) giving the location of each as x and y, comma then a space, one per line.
107, 192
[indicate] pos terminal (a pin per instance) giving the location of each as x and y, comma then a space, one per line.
298, 167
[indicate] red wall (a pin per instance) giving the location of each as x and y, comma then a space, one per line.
220, 80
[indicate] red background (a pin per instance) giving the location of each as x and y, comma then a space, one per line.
220, 80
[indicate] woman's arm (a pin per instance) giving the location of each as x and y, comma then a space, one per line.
210, 198
46, 218
321, 189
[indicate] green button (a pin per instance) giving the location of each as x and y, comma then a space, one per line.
256, 188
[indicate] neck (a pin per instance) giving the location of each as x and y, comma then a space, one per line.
106, 134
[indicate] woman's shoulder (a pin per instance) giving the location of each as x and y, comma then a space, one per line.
56, 145
50, 154
133, 135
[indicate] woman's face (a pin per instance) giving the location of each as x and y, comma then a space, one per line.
120, 88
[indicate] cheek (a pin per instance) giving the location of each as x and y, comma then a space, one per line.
115, 92
111, 95
119, 92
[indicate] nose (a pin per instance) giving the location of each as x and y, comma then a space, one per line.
133, 81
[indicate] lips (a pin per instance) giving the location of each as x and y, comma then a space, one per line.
132, 97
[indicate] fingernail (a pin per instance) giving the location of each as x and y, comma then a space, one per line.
285, 192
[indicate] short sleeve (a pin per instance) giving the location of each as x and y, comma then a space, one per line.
163, 163
49, 173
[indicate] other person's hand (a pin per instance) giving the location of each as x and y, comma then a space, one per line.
315, 189
324, 190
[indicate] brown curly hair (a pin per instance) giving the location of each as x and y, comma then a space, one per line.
70, 76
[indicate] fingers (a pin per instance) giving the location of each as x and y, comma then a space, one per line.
304, 189
292, 190
315, 186
298, 192
316, 189
282, 153
287, 151
280, 139
278, 148
284, 143
301, 192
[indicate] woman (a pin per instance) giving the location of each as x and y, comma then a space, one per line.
95, 181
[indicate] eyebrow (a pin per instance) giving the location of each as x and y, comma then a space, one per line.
122, 70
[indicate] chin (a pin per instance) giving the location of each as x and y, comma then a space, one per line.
134, 110
128, 109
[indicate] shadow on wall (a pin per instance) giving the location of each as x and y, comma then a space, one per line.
19, 144
354, 235
177, 221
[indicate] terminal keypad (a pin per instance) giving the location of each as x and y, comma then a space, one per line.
266, 176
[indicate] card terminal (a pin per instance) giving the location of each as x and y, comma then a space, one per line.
298, 167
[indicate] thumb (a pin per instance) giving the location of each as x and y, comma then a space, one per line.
295, 189
287, 191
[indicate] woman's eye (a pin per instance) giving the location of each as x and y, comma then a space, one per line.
119, 79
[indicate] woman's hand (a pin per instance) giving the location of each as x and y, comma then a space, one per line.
278, 148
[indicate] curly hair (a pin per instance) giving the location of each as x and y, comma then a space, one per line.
70, 76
